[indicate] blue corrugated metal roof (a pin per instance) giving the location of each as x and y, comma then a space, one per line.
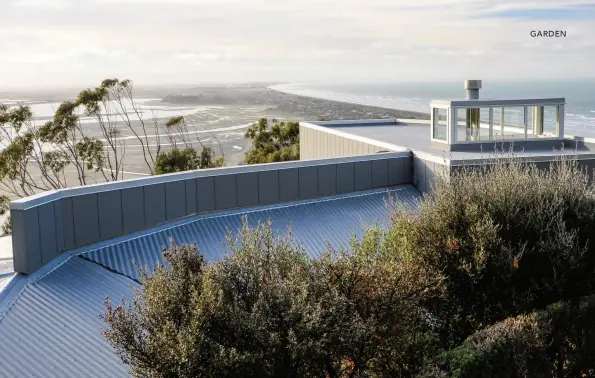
314, 223
54, 328
6, 269
50, 324
4, 277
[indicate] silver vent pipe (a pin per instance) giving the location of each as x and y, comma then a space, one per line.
472, 87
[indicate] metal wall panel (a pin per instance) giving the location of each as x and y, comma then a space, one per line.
316, 144
86, 219
133, 209
419, 174
67, 223
430, 176
363, 175
409, 167
19, 245
305, 143
175, 199
206, 194
345, 178
289, 184
58, 219
191, 197
32, 240
308, 177
155, 208
327, 180
247, 189
395, 171
320, 144
335, 141
226, 192
379, 173
268, 187
363, 148
110, 214
47, 232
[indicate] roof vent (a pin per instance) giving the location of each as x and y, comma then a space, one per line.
472, 87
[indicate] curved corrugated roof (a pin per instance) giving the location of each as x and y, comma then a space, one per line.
50, 322
314, 223
54, 328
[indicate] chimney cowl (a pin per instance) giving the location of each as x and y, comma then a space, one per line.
472, 87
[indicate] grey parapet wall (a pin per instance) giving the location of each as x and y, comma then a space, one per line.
427, 168
584, 161
54, 222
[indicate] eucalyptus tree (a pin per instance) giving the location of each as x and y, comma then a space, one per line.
66, 151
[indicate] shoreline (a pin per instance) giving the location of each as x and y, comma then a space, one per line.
340, 110
411, 114
225, 114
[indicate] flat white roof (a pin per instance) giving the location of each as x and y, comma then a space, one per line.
500, 102
399, 135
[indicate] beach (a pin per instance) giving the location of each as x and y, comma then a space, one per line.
216, 116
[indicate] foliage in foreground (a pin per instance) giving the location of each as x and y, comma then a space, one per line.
492, 276
273, 143
507, 239
556, 342
269, 310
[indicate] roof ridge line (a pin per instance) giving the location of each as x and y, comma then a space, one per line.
226, 213
85, 258
25, 281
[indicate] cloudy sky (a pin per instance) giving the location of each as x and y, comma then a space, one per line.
50, 43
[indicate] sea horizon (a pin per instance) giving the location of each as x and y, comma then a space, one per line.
579, 94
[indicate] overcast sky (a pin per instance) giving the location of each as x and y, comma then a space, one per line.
79, 42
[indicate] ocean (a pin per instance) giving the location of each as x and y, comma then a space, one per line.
580, 96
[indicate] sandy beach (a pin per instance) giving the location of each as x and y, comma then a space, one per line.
216, 116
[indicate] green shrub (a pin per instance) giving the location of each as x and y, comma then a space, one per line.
276, 143
515, 347
507, 239
186, 160
572, 344
268, 310
373, 304
557, 342
156, 333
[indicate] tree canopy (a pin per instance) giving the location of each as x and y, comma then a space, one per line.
273, 143
65, 151
187, 159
